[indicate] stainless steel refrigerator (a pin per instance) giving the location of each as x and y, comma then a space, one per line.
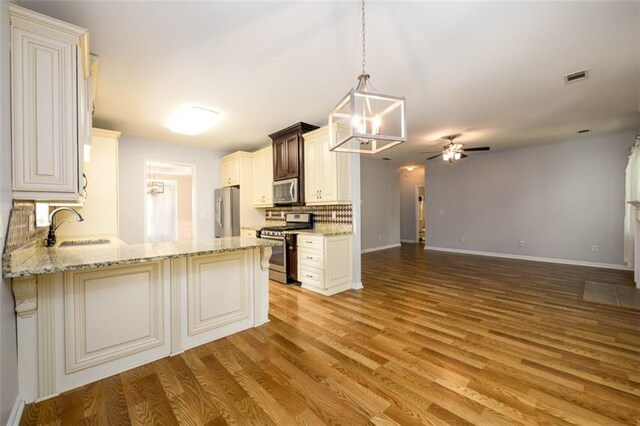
227, 208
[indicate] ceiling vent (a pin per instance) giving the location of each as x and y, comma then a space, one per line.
584, 131
576, 76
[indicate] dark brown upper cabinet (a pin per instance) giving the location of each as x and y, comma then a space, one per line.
288, 161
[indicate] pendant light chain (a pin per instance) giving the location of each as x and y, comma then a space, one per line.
364, 40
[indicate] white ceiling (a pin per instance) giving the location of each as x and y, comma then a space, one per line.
491, 70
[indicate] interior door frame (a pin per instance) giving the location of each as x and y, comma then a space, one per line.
417, 207
194, 193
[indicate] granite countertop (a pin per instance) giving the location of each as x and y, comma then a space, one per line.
36, 260
323, 232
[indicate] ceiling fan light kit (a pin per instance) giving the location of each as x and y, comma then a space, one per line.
377, 122
453, 152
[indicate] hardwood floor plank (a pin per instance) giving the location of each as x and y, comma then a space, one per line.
433, 338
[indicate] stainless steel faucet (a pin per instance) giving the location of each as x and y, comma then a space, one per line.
51, 237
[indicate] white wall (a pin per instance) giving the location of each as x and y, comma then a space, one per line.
380, 194
559, 198
131, 154
409, 203
8, 349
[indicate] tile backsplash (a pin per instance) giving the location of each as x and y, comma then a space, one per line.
322, 214
22, 225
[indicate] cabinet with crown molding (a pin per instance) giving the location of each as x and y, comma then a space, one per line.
51, 103
327, 174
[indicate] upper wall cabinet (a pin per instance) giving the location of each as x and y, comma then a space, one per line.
233, 166
327, 174
50, 68
287, 152
263, 177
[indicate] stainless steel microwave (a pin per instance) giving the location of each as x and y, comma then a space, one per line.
285, 191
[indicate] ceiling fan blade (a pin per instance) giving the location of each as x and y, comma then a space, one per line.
435, 156
430, 152
463, 156
480, 148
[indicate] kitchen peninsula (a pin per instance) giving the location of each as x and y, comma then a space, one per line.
86, 312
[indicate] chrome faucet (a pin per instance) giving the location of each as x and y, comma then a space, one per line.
51, 237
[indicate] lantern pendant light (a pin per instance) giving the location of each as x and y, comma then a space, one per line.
367, 122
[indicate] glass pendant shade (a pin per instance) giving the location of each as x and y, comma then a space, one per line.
376, 121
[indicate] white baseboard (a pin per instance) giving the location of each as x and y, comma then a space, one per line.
16, 412
532, 258
380, 248
356, 286
408, 241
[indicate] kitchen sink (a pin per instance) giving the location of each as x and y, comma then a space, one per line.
76, 243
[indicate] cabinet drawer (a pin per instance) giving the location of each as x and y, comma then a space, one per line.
311, 241
311, 276
311, 257
248, 233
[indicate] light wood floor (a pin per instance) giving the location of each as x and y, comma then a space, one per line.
433, 338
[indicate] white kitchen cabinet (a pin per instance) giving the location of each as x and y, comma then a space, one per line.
324, 263
248, 233
327, 174
233, 165
263, 178
91, 341
237, 170
100, 208
50, 100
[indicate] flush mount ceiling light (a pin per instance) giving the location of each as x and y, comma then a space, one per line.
192, 120
410, 168
377, 122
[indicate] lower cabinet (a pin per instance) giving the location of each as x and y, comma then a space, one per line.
219, 297
324, 263
85, 325
113, 319
248, 233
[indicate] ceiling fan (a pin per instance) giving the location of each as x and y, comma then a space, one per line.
453, 152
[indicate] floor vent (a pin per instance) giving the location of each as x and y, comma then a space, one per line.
576, 76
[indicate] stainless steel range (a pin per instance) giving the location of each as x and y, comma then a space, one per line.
283, 264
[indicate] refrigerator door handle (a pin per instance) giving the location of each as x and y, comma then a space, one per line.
220, 212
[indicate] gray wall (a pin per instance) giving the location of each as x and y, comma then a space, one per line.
409, 203
131, 155
379, 185
8, 348
559, 198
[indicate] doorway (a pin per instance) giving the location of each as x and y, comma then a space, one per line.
169, 202
421, 236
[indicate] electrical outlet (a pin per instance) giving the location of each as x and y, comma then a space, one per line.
463, 239
333, 215
522, 244
595, 248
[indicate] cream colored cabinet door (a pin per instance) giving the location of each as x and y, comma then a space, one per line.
48, 93
268, 176
312, 170
230, 172
263, 178
328, 186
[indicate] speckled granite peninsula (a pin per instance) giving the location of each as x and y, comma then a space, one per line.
37, 260
85, 312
